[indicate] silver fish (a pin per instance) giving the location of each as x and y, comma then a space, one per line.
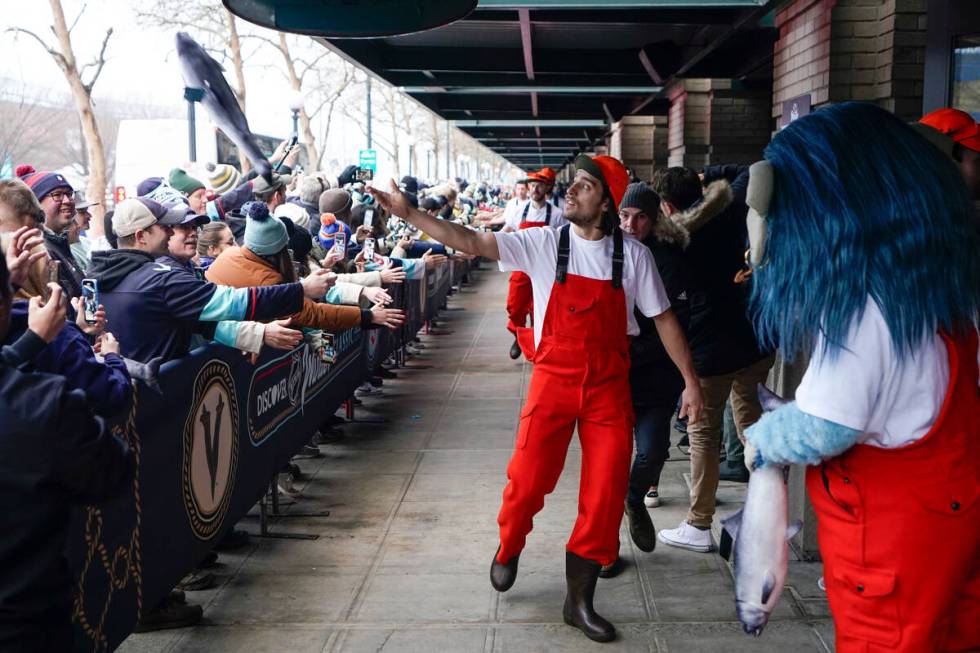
761, 533
202, 72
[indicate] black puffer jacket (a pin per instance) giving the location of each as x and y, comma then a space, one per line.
654, 378
53, 453
721, 336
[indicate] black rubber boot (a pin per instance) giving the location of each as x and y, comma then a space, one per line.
641, 528
581, 576
502, 576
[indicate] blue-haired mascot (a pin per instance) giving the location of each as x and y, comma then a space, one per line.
863, 253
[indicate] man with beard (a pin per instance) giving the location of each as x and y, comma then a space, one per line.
537, 212
587, 278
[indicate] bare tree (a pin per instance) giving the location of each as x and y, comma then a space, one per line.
81, 82
21, 125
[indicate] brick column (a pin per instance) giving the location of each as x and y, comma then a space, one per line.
640, 142
716, 121
840, 50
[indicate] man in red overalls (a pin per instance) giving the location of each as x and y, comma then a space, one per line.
587, 278
536, 212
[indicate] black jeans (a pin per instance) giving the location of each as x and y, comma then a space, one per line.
652, 435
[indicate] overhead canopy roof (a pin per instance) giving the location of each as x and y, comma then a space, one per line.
539, 81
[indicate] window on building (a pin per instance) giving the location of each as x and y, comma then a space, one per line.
966, 74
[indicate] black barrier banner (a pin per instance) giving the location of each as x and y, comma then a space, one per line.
206, 450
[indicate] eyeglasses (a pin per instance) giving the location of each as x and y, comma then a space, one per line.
60, 195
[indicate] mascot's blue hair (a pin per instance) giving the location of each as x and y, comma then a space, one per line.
862, 205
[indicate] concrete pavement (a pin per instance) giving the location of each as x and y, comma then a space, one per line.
401, 564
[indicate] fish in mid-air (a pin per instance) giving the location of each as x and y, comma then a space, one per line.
202, 72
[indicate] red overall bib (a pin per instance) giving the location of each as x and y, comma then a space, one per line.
899, 530
520, 298
580, 377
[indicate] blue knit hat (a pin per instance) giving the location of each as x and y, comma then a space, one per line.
330, 228
42, 183
264, 234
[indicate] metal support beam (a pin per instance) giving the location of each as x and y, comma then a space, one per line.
538, 88
595, 124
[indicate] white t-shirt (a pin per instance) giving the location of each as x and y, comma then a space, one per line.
535, 214
514, 205
867, 388
535, 252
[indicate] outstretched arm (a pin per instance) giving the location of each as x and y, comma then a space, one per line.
444, 231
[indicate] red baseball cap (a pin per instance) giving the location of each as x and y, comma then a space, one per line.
611, 172
545, 176
958, 125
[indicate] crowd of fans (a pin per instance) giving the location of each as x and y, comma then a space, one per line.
249, 262
253, 262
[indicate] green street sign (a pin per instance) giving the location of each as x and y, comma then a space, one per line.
368, 160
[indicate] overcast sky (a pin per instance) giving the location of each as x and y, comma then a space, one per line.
141, 64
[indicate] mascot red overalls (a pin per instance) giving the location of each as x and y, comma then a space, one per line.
864, 257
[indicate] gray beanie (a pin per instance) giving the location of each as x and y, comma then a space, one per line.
264, 235
640, 196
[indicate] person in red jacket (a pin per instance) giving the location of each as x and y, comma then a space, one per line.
587, 277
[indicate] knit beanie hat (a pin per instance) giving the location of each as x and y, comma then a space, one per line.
640, 196
183, 182
42, 184
264, 235
222, 177
145, 187
300, 240
336, 201
330, 227
294, 212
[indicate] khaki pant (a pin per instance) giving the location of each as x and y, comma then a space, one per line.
705, 434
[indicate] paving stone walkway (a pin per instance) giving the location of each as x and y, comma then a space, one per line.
401, 564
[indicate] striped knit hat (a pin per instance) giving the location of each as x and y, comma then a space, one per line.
42, 184
222, 177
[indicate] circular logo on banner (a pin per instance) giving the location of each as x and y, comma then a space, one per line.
210, 449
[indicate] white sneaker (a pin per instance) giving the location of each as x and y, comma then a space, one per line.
687, 537
652, 499
368, 390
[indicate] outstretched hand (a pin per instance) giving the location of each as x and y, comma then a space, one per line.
393, 201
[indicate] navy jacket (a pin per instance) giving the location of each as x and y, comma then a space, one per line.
155, 308
53, 452
107, 385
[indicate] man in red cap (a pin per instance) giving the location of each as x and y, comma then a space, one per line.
536, 212
961, 142
587, 279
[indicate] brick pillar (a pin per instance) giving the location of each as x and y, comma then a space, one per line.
840, 50
687, 142
716, 121
640, 142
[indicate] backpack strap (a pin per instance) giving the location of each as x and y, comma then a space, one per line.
617, 258
547, 213
527, 207
563, 254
